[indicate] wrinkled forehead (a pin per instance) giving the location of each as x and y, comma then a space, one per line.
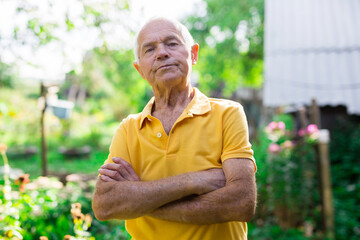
159, 27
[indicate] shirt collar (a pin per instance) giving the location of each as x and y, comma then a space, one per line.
146, 112
199, 105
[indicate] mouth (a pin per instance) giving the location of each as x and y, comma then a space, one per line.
165, 66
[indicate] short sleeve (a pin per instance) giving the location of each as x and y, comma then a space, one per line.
236, 142
118, 147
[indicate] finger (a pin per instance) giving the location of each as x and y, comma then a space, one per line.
127, 166
120, 168
106, 178
112, 174
110, 166
130, 173
130, 170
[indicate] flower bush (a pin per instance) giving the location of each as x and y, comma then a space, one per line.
292, 163
310, 133
288, 202
288, 206
46, 208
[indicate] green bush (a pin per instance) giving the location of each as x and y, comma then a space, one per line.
288, 181
45, 209
287, 185
345, 172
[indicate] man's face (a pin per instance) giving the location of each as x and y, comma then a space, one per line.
164, 58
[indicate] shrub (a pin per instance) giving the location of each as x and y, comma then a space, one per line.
345, 172
45, 207
287, 184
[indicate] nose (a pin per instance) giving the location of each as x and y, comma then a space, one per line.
161, 52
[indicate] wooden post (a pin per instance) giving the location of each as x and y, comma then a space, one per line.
42, 127
325, 184
315, 113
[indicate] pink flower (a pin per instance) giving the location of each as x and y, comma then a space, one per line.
301, 132
311, 129
281, 125
274, 148
313, 132
272, 126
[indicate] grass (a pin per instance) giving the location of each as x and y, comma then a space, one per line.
58, 164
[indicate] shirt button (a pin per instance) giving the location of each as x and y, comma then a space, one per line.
158, 134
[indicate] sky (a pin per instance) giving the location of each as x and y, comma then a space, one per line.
51, 62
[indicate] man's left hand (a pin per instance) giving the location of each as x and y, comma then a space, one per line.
120, 170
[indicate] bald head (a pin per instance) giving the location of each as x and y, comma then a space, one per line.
188, 39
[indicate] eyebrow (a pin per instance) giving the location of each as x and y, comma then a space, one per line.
167, 38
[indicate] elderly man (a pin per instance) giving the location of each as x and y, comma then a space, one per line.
183, 168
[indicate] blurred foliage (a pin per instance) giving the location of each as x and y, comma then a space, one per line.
45, 208
288, 203
59, 164
38, 26
19, 118
20, 130
345, 173
7, 76
288, 199
230, 35
272, 231
111, 82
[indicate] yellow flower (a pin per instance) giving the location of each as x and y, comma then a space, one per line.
88, 220
3, 148
12, 114
76, 212
9, 234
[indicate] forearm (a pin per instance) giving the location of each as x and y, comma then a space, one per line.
234, 202
132, 199
223, 205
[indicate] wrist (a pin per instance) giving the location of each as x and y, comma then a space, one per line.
197, 182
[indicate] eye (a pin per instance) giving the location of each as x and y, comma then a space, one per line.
149, 50
173, 44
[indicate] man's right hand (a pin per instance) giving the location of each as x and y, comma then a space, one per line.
120, 170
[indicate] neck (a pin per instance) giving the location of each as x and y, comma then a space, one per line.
171, 98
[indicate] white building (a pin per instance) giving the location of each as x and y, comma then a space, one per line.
312, 50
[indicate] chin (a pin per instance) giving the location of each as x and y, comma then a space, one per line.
170, 77
169, 81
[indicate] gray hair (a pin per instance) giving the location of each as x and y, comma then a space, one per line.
189, 40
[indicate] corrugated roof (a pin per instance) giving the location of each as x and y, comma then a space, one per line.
312, 50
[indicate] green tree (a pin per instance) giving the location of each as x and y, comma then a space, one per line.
7, 76
111, 81
58, 26
44, 21
230, 34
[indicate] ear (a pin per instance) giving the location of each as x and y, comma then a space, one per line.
138, 68
194, 53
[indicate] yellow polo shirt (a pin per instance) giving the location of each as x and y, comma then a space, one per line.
207, 133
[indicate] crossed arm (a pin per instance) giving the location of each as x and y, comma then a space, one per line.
204, 197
